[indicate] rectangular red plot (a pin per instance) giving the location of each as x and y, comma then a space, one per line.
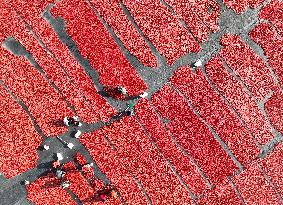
186, 11
254, 188
6, 28
273, 12
45, 104
78, 184
206, 12
56, 74
157, 178
33, 16
47, 190
113, 14
35, 7
214, 110
48, 106
193, 135
274, 110
112, 166
272, 164
272, 44
185, 167
239, 99
223, 193
19, 139
162, 28
68, 89
247, 65
239, 6
255, 3
96, 44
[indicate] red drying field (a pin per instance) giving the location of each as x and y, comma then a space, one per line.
274, 14
113, 14
212, 108
81, 83
112, 166
270, 41
254, 187
244, 104
222, 194
273, 167
31, 87
183, 164
47, 190
247, 65
177, 147
274, 110
84, 26
197, 17
146, 163
78, 184
192, 134
19, 140
240, 6
162, 28
80, 159
26, 82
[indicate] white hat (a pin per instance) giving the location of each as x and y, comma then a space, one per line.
124, 91
144, 95
26, 182
46, 147
76, 118
59, 156
65, 184
70, 145
198, 63
66, 121
78, 134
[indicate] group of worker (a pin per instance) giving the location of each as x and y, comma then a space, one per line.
122, 91
100, 195
75, 122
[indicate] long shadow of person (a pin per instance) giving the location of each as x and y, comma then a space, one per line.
58, 123
101, 195
113, 92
